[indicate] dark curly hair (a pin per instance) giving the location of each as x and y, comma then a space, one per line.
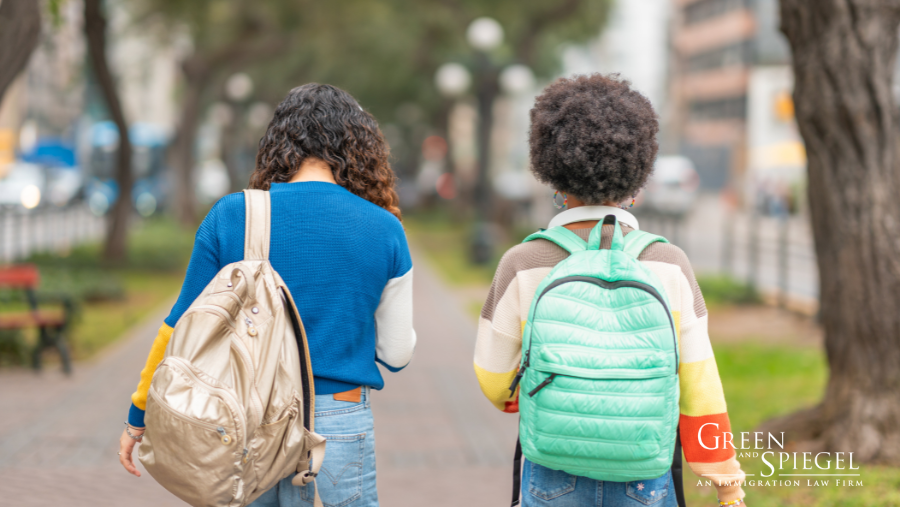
593, 137
327, 123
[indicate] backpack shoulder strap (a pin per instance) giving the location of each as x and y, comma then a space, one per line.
637, 241
257, 224
566, 239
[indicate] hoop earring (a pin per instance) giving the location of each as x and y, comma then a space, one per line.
565, 200
633, 199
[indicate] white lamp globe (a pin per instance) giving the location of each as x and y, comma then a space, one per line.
452, 79
238, 87
517, 79
484, 34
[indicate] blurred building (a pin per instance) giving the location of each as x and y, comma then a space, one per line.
718, 46
634, 43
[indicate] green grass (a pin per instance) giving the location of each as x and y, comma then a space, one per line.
762, 382
102, 323
446, 245
721, 290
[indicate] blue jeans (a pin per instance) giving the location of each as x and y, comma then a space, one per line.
543, 487
347, 477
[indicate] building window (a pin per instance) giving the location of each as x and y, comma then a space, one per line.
740, 53
706, 9
720, 109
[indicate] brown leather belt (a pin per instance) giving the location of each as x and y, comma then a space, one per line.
353, 395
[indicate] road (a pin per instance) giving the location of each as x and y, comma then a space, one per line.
439, 442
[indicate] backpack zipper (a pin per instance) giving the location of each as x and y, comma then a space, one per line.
543, 384
214, 309
606, 285
256, 402
518, 377
190, 420
222, 391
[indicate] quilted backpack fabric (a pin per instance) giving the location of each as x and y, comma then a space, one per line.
230, 407
599, 390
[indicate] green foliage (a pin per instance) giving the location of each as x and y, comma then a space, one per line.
384, 52
55, 9
13, 350
723, 290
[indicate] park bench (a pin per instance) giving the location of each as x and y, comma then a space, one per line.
51, 324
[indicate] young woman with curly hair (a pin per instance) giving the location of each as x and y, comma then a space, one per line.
593, 139
337, 241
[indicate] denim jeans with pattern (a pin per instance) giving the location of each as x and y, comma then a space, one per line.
543, 487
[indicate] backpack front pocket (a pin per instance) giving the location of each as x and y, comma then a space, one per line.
194, 442
585, 418
280, 440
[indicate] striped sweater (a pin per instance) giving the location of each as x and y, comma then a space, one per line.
498, 347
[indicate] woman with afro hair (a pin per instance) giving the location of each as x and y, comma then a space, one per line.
593, 140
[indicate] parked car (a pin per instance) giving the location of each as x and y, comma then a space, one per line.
673, 187
64, 180
148, 143
23, 186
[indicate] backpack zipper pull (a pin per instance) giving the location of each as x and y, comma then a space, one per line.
246, 451
225, 438
518, 377
542, 385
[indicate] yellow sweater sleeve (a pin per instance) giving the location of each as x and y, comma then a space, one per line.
157, 352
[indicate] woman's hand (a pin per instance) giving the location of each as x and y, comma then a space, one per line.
126, 446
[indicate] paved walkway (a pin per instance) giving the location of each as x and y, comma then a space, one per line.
439, 442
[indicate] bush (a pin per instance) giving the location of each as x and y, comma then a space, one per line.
13, 350
158, 244
725, 290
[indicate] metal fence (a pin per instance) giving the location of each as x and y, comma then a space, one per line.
775, 254
25, 232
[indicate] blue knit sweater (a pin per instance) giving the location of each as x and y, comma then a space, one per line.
335, 251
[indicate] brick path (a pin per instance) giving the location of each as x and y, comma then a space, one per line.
439, 443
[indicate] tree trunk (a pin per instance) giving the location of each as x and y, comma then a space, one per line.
20, 32
200, 70
117, 226
182, 150
231, 149
844, 52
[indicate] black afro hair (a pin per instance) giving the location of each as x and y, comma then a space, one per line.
593, 137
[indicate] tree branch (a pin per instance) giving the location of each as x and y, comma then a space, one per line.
20, 32
526, 48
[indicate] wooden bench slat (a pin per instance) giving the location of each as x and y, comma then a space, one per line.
41, 318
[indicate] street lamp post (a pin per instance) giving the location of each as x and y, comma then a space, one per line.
238, 89
452, 81
484, 35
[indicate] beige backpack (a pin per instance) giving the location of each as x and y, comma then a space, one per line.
230, 408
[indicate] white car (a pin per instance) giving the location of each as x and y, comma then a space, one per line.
22, 185
673, 186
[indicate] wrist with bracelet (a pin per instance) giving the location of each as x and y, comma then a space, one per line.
731, 503
128, 429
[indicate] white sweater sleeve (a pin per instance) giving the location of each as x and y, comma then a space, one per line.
395, 338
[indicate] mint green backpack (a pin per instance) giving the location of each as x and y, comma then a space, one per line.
598, 380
